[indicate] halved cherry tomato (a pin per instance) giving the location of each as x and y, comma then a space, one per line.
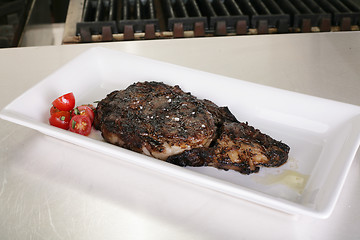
80, 124
86, 110
60, 119
54, 110
65, 102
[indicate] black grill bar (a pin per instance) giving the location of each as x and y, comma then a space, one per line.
181, 18
220, 8
193, 8
224, 16
169, 9
342, 16
352, 6
99, 11
260, 7
99, 17
306, 14
265, 14
180, 6
138, 16
233, 8
355, 9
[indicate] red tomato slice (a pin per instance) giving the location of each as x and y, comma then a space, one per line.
86, 110
54, 110
65, 102
80, 124
60, 119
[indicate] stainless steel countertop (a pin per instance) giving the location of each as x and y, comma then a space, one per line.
50, 189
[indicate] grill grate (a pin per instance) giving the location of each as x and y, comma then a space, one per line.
266, 14
138, 16
184, 16
224, 17
99, 17
150, 19
306, 14
344, 13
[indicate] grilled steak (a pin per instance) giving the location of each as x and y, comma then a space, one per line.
155, 119
164, 122
239, 147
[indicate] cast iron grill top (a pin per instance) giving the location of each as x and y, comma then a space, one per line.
306, 14
149, 19
344, 13
99, 17
138, 14
265, 14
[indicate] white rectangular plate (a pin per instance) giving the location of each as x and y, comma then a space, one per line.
323, 135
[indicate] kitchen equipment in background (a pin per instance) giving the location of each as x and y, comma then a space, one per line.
116, 20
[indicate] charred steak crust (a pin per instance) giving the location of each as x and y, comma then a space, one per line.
239, 147
164, 122
155, 119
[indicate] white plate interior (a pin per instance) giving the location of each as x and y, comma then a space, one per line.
323, 134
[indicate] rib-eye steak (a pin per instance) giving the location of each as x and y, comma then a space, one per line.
164, 122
